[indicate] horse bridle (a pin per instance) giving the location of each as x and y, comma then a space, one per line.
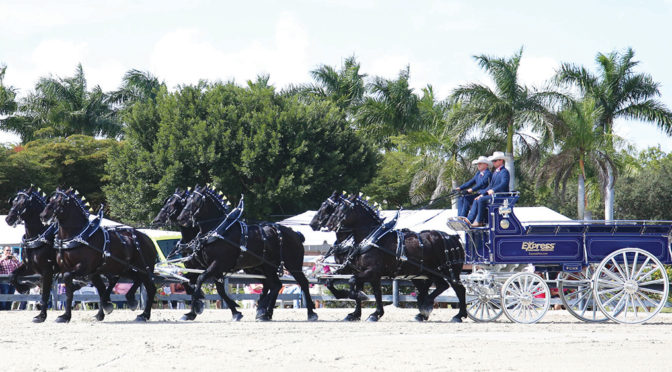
26, 202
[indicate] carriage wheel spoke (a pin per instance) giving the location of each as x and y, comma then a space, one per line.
618, 268
625, 265
641, 268
634, 265
613, 297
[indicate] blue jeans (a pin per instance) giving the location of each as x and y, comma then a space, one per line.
6, 288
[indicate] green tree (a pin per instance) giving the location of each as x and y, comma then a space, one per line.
391, 110
507, 109
345, 87
60, 107
7, 97
578, 141
643, 187
77, 161
285, 155
619, 92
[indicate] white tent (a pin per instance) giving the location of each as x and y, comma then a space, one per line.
415, 220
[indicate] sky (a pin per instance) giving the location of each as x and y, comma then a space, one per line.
184, 41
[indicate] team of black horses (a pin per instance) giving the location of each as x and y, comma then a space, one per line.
61, 238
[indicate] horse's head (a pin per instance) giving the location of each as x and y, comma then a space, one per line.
327, 208
353, 211
172, 207
26, 205
66, 205
203, 204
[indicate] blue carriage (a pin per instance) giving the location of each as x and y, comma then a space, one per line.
602, 269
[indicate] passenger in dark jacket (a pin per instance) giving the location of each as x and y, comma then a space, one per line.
499, 183
479, 182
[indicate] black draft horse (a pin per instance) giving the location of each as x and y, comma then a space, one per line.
39, 256
433, 254
172, 208
230, 245
342, 249
84, 248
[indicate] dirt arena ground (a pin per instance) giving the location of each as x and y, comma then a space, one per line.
396, 343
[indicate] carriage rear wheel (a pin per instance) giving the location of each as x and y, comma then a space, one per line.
484, 302
576, 292
525, 297
630, 286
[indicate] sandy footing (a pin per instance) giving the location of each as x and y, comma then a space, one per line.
395, 343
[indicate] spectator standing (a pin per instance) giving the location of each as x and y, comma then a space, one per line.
8, 263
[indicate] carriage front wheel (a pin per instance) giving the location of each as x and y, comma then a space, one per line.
630, 286
484, 302
525, 298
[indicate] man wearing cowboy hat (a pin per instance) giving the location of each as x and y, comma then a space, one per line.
499, 183
480, 180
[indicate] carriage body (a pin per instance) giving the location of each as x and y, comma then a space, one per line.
580, 254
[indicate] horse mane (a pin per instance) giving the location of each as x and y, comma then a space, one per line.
371, 210
35, 192
217, 196
80, 201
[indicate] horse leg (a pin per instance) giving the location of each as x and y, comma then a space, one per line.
146, 279
427, 305
105, 306
422, 287
338, 293
461, 293
301, 279
69, 292
232, 305
131, 302
355, 290
265, 312
45, 291
21, 270
378, 293
197, 294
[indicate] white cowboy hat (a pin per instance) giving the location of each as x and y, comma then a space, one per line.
482, 159
497, 155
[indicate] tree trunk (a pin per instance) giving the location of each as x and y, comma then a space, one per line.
580, 198
440, 185
512, 170
453, 200
509, 156
609, 195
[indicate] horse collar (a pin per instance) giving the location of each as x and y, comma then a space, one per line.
47, 237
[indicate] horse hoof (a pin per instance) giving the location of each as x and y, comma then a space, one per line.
372, 318
237, 317
108, 307
420, 318
351, 318
312, 317
62, 319
426, 310
141, 319
132, 304
198, 307
39, 319
263, 318
187, 317
99, 317
456, 319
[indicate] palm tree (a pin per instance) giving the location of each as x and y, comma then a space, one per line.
620, 93
60, 107
579, 141
136, 86
7, 95
392, 109
344, 87
507, 109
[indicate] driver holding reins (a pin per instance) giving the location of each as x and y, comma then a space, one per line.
499, 183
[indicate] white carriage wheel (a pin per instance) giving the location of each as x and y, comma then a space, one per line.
630, 286
526, 298
484, 302
576, 292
